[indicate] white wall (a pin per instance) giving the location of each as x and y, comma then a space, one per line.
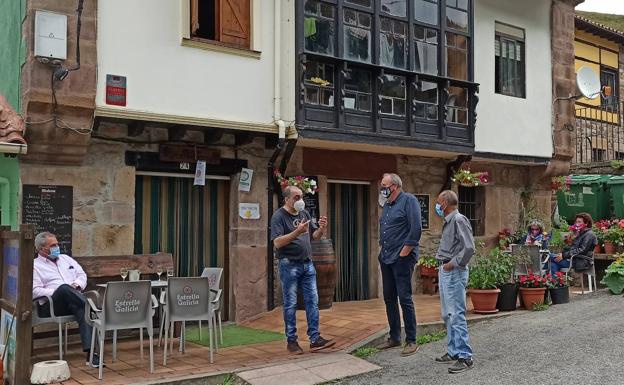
506, 124
141, 39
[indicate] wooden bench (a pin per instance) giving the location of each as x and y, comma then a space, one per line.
103, 269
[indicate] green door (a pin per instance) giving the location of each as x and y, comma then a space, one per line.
349, 229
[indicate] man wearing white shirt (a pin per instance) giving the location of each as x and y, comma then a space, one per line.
62, 278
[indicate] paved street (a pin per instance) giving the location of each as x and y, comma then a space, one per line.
580, 342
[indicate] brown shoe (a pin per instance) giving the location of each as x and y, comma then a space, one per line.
294, 348
389, 344
409, 349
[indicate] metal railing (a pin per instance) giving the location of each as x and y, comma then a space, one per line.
599, 134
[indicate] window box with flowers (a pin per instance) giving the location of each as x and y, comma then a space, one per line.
306, 185
471, 179
558, 288
532, 290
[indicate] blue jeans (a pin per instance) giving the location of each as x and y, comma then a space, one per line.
397, 282
292, 275
556, 266
452, 286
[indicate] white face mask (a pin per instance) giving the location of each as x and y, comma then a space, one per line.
382, 200
299, 205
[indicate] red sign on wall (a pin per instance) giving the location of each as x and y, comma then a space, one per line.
116, 90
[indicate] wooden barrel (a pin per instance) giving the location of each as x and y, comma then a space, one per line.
324, 261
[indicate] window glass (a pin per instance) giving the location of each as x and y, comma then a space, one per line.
426, 100
394, 7
426, 52
318, 27
456, 56
609, 78
392, 43
364, 3
457, 105
357, 90
457, 19
426, 11
509, 66
319, 84
357, 35
392, 95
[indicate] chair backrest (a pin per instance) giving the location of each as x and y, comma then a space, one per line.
127, 305
188, 299
214, 276
532, 252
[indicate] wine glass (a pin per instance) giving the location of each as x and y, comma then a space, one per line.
123, 272
169, 273
159, 271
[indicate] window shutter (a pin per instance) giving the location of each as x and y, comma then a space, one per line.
194, 17
234, 22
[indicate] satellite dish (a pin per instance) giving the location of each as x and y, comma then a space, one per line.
587, 83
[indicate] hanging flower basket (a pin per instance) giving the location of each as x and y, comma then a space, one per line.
560, 183
307, 185
471, 179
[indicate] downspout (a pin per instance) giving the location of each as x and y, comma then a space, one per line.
5, 200
281, 126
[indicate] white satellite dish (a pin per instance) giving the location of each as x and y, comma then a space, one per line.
587, 83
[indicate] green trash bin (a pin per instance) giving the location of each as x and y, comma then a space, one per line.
616, 191
589, 194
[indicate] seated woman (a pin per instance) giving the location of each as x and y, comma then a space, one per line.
536, 235
582, 247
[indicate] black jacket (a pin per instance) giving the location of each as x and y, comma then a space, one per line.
582, 249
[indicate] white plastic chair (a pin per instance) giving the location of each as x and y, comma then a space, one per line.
214, 275
193, 302
126, 305
591, 276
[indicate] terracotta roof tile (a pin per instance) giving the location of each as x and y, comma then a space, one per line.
11, 124
612, 31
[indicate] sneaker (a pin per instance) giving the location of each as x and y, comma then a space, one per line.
461, 365
294, 348
445, 359
95, 363
321, 343
409, 349
389, 344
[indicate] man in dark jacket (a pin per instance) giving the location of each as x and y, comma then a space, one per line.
582, 248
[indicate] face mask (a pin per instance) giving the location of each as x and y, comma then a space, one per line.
438, 209
385, 192
382, 200
535, 232
579, 227
55, 252
299, 205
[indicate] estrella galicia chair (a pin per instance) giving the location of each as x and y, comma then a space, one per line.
126, 305
187, 299
61, 320
214, 275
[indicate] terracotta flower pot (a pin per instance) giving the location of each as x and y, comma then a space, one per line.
598, 249
609, 247
484, 301
428, 271
532, 296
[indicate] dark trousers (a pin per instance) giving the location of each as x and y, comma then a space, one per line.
69, 301
397, 282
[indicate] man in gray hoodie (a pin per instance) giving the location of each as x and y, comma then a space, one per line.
456, 249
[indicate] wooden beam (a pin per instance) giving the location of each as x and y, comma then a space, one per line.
213, 135
176, 133
136, 128
243, 138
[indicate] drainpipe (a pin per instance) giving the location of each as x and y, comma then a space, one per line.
5, 199
277, 113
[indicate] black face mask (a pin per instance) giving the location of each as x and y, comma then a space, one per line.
385, 192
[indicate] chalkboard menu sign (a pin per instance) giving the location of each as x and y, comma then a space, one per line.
49, 208
423, 199
312, 203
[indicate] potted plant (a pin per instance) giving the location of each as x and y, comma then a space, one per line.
483, 281
612, 238
558, 288
532, 290
614, 277
428, 266
471, 179
508, 296
306, 185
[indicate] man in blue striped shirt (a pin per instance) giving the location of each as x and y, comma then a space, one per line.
399, 236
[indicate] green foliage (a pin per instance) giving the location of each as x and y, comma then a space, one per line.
610, 20
615, 235
617, 164
540, 307
558, 232
427, 338
428, 262
233, 335
365, 352
230, 379
491, 271
614, 277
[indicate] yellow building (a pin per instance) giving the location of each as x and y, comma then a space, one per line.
599, 127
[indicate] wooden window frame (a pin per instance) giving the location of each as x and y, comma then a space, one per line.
217, 44
476, 215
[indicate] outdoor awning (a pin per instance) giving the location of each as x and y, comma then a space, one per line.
12, 130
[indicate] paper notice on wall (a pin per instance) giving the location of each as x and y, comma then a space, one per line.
244, 182
200, 173
249, 210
